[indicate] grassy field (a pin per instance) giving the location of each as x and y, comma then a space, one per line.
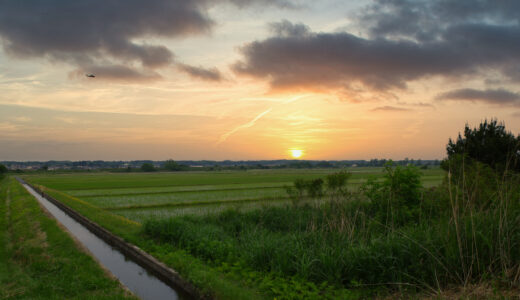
141, 196
237, 235
123, 202
38, 260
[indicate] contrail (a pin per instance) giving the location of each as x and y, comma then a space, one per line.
247, 125
252, 122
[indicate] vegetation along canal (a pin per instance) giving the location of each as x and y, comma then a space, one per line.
133, 276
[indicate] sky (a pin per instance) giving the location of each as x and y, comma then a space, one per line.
252, 79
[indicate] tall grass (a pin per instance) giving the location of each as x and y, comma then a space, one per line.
391, 233
478, 193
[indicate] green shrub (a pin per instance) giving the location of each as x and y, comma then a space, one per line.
395, 200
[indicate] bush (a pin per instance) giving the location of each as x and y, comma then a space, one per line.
395, 200
313, 188
147, 167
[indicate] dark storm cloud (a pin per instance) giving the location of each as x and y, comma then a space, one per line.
406, 43
212, 74
426, 19
82, 32
337, 59
498, 96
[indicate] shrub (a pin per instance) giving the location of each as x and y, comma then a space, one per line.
395, 200
337, 185
147, 167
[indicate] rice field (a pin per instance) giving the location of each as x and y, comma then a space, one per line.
139, 196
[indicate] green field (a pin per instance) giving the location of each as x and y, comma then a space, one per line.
142, 196
238, 235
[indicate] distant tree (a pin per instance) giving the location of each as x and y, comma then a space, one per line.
3, 169
324, 164
147, 167
171, 165
300, 165
490, 144
45, 167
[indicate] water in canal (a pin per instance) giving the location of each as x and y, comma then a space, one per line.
130, 274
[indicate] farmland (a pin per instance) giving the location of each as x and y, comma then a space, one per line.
138, 196
368, 232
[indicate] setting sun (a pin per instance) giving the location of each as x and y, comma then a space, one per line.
296, 153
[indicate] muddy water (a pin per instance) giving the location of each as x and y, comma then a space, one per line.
130, 274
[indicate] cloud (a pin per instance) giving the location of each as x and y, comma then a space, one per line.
212, 74
388, 108
21, 119
417, 104
339, 59
99, 32
78, 31
498, 96
288, 29
8, 126
398, 50
292, 4
425, 20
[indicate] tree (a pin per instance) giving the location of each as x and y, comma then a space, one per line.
490, 144
171, 165
3, 169
147, 167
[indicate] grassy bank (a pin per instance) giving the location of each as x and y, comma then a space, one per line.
38, 260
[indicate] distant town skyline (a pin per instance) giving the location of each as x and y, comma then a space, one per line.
252, 79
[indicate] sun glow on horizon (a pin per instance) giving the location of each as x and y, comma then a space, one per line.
296, 153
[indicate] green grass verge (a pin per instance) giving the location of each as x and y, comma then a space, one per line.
208, 279
38, 260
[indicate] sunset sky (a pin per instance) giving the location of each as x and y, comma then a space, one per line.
252, 79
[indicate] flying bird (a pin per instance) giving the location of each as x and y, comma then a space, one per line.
90, 75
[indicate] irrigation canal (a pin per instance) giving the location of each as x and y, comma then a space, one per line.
137, 279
